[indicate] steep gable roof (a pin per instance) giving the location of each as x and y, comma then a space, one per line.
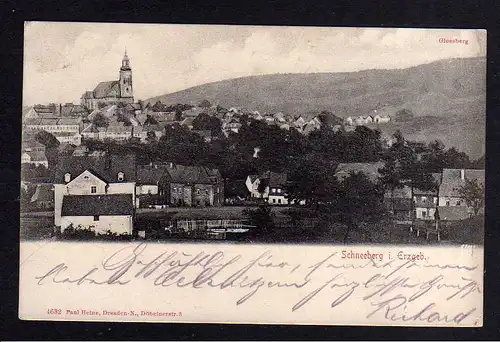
104, 88
151, 174
44, 192
85, 205
192, 174
452, 180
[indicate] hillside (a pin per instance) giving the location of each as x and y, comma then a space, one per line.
448, 95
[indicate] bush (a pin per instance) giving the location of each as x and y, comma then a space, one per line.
81, 233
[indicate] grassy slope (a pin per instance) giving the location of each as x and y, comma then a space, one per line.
453, 90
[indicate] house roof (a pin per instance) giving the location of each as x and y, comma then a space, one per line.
106, 166
453, 213
369, 169
193, 174
105, 205
151, 174
44, 192
452, 181
102, 89
118, 127
29, 143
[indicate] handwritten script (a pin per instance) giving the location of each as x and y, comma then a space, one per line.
393, 290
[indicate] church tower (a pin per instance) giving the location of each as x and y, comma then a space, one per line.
126, 78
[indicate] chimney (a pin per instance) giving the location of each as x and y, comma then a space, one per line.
462, 174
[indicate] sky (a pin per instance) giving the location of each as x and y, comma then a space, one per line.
62, 60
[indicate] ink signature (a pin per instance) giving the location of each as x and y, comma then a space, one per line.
387, 287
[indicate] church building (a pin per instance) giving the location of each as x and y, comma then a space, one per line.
111, 92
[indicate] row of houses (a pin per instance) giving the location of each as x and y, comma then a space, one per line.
101, 191
366, 120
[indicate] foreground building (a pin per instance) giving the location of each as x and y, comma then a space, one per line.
95, 191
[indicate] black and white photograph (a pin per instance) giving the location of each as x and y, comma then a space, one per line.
253, 134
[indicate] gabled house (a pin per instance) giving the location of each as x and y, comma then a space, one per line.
35, 157
153, 184
269, 185
253, 182
95, 191
195, 186
43, 198
381, 118
425, 202
312, 125
277, 188
449, 194
349, 120
399, 203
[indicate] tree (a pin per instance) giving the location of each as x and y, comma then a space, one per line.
100, 120
360, 201
47, 139
473, 193
456, 160
262, 218
205, 104
314, 181
404, 115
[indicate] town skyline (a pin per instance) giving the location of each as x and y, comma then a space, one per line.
54, 55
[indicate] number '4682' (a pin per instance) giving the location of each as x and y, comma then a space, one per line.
54, 311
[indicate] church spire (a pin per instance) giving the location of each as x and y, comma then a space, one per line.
125, 62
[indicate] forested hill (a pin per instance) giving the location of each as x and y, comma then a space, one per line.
448, 96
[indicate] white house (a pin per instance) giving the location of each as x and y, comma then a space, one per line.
349, 120
381, 118
34, 157
96, 192
252, 183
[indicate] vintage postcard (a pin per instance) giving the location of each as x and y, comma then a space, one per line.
252, 174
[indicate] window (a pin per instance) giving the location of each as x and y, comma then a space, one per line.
67, 177
424, 213
206, 192
93, 189
447, 203
86, 177
120, 176
435, 200
96, 217
197, 191
273, 190
424, 199
274, 200
459, 202
279, 191
279, 200
218, 190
